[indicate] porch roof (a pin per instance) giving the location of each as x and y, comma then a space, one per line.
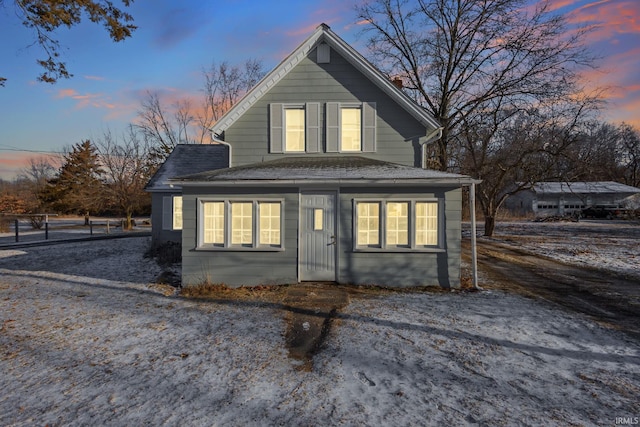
353, 169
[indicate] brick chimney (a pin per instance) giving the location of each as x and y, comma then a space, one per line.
397, 82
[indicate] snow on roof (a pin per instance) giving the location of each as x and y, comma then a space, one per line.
584, 187
325, 169
188, 158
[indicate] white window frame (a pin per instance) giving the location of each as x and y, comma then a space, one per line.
169, 214
334, 126
227, 245
299, 108
342, 125
412, 246
278, 128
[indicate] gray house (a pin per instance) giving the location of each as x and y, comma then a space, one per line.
566, 198
325, 183
166, 198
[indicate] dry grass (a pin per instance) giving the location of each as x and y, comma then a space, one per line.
273, 293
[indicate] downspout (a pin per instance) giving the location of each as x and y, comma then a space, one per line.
474, 252
215, 139
433, 136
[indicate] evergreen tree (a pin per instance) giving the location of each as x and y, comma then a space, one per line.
78, 186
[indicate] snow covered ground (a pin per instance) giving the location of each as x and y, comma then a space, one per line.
87, 339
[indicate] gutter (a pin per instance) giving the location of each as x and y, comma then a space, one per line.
433, 136
215, 139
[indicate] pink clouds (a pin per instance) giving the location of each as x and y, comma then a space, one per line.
611, 17
95, 100
12, 163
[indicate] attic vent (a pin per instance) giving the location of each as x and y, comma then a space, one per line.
324, 53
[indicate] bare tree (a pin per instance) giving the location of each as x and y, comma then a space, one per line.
458, 57
164, 126
224, 85
127, 169
512, 148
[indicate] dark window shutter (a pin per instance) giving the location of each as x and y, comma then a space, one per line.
332, 119
276, 128
369, 127
313, 131
167, 212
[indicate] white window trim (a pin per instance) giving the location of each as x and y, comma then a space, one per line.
353, 106
169, 214
368, 126
255, 236
300, 107
382, 232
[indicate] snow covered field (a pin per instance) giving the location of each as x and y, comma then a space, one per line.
86, 339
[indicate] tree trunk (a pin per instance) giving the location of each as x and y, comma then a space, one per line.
86, 219
489, 225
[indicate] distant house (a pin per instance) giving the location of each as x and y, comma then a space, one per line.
565, 198
166, 198
325, 183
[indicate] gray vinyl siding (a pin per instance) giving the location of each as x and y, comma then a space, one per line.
384, 268
401, 269
159, 235
337, 81
239, 268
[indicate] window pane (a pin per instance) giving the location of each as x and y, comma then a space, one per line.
294, 133
214, 223
351, 131
426, 223
398, 224
318, 219
269, 223
368, 224
177, 213
242, 223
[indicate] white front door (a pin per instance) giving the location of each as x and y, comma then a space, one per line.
318, 236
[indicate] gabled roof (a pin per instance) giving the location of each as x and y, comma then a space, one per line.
324, 34
584, 187
188, 159
336, 169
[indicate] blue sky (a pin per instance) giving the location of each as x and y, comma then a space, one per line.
176, 40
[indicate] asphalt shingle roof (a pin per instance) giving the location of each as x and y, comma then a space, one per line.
321, 168
188, 159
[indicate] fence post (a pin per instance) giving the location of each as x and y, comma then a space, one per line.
17, 233
46, 231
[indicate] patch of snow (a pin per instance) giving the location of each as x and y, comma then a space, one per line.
86, 338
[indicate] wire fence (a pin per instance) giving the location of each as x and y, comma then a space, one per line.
29, 228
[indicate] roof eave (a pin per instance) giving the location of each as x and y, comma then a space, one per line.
461, 181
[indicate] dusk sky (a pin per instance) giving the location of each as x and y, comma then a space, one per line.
176, 40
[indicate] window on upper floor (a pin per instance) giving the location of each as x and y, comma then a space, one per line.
172, 213
350, 127
294, 128
396, 225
